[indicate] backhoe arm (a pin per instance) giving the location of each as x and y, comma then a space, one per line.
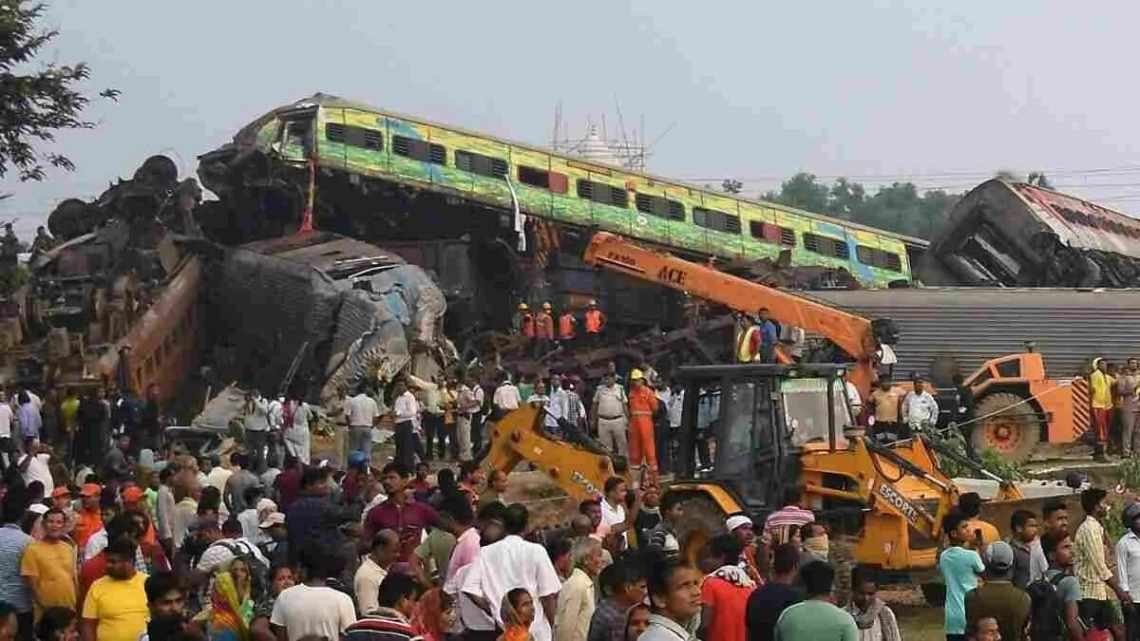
518, 437
852, 333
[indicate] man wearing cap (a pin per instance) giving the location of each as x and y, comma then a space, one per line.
273, 529
642, 404
610, 413
90, 517
595, 324
741, 527
61, 500
998, 597
544, 329
1100, 386
567, 327
1128, 565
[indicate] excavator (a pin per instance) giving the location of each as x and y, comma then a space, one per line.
1016, 402
774, 427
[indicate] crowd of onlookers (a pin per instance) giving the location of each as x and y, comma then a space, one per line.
189, 548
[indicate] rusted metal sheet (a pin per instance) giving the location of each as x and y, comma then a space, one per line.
971, 325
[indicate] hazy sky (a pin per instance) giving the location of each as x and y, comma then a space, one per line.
754, 90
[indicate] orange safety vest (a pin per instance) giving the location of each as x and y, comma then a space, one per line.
528, 325
545, 327
594, 321
642, 401
566, 323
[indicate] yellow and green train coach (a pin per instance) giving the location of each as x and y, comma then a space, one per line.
358, 139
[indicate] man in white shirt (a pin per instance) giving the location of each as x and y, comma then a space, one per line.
610, 413
854, 400
556, 408
407, 411
313, 608
256, 424
467, 407
361, 412
35, 467
511, 563
373, 568
1128, 554
506, 396
7, 445
919, 408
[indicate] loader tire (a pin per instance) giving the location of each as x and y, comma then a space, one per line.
1013, 431
703, 519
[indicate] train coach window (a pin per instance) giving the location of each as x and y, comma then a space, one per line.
355, 136
544, 179
480, 164
419, 150
764, 231
660, 207
603, 193
788, 236
826, 246
878, 258
716, 220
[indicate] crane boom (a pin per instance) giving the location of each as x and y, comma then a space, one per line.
858, 336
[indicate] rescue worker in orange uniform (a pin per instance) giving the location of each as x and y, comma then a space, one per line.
567, 327
642, 404
544, 329
524, 321
595, 323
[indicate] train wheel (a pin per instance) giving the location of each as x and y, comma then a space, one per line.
1013, 429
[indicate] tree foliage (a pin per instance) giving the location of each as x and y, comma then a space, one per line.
898, 207
35, 103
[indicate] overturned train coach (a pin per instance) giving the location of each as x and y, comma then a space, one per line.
316, 314
1018, 235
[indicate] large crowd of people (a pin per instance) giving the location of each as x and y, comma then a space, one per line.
129, 538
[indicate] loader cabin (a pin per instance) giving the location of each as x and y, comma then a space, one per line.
759, 418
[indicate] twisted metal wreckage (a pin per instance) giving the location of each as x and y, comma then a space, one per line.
135, 296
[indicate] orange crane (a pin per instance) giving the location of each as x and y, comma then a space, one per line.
1017, 403
859, 337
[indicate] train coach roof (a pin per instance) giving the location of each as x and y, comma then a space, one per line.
246, 137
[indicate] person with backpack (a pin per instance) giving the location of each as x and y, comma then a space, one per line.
998, 597
1054, 599
1128, 566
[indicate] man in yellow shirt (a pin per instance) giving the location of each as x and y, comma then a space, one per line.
49, 566
115, 608
1100, 384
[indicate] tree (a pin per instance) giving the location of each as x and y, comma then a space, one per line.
804, 192
846, 199
899, 207
35, 103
